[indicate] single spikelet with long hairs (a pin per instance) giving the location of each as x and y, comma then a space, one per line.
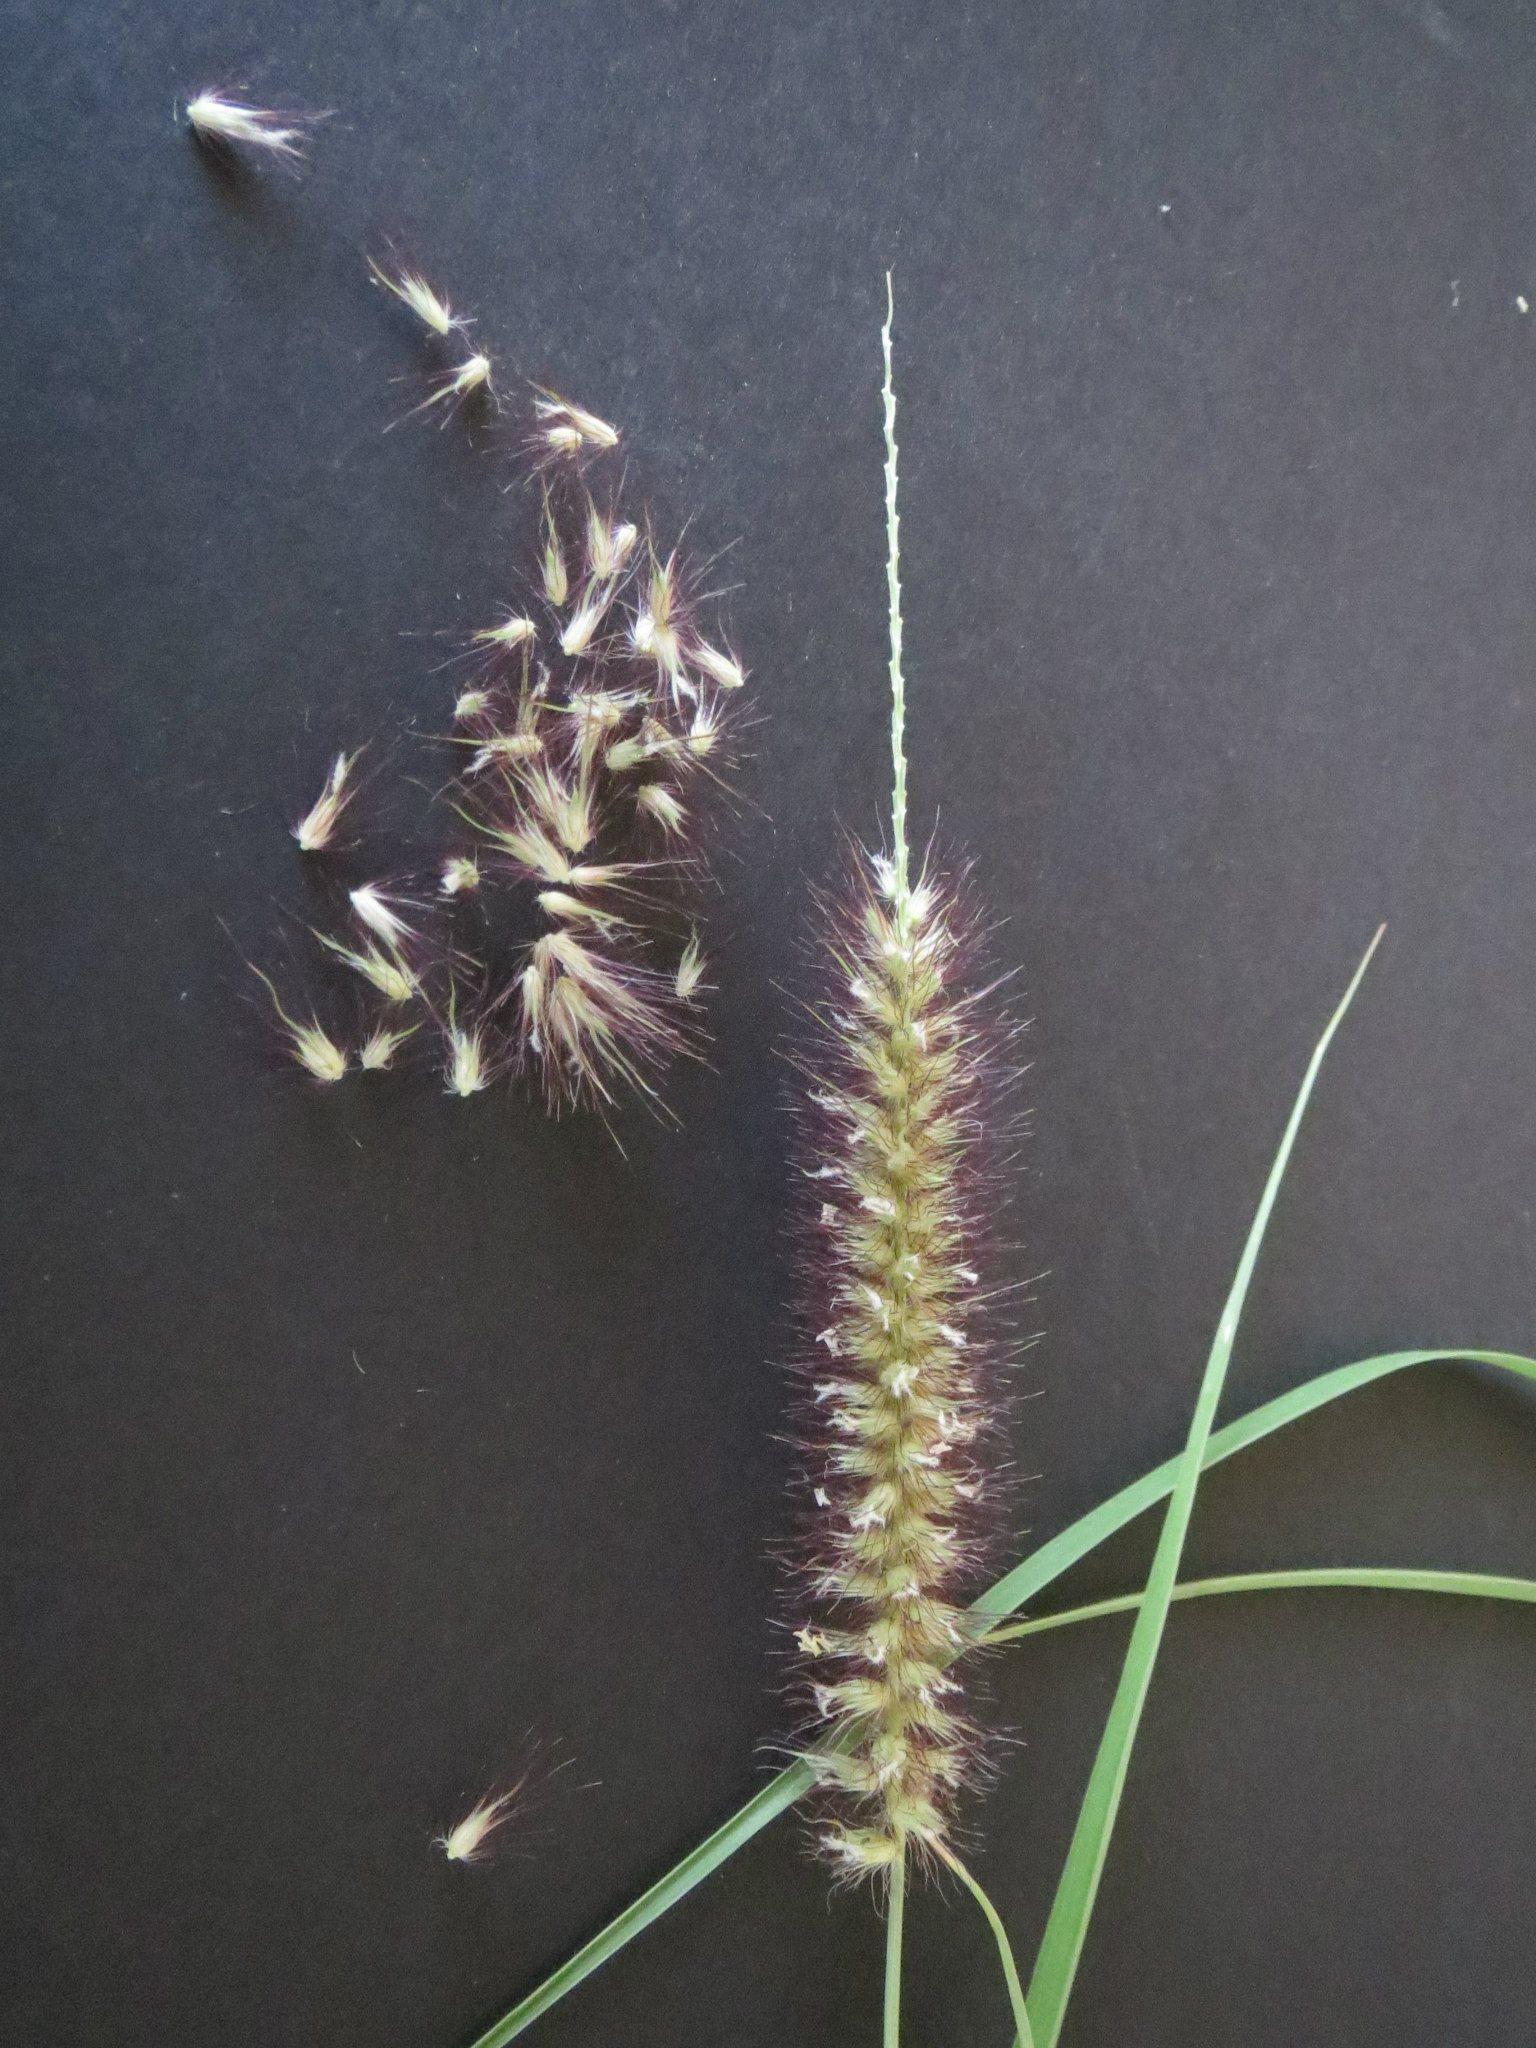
896, 1419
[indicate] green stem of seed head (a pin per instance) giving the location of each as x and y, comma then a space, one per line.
893, 588
890, 2033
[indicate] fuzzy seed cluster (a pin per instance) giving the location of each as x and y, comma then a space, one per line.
590, 731
894, 1412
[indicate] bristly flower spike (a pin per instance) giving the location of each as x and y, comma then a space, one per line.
895, 1413
316, 830
413, 290
214, 117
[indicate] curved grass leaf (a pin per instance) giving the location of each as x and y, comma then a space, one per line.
1027, 1578
1369, 1578
1072, 1908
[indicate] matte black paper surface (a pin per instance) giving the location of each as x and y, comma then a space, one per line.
354, 1436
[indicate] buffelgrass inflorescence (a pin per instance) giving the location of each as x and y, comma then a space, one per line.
897, 1418
593, 726
896, 1415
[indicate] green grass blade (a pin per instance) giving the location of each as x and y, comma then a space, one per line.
1072, 1908
994, 1920
1026, 1579
1312, 1579
780, 1792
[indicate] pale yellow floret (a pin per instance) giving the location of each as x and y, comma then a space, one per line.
585, 620
658, 802
459, 876
609, 544
466, 1842
220, 119
378, 1049
384, 971
412, 290
317, 828
379, 914
466, 1072
513, 631
720, 667
690, 970
309, 1044
568, 428
555, 575
470, 704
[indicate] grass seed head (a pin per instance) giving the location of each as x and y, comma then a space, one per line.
896, 1413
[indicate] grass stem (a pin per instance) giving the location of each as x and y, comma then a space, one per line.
896, 1915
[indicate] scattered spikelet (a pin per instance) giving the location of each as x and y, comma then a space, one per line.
215, 117
552, 569
468, 1070
309, 1044
586, 619
690, 970
467, 1842
721, 668
378, 1049
459, 876
316, 830
591, 1019
469, 705
471, 379
566, 429
378, 913
610, 543
412, 290
513, 631
656, 801
385, 971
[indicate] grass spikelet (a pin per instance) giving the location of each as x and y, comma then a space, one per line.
377, 1052
468, 380
469, 1840
383, 970
377, 911
514, 630
460, 875
309, 1043
553, 573
610, 543
413, 291
468, 1066
565, 429
316, 830
214, 117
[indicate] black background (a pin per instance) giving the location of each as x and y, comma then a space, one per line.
1219, 493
